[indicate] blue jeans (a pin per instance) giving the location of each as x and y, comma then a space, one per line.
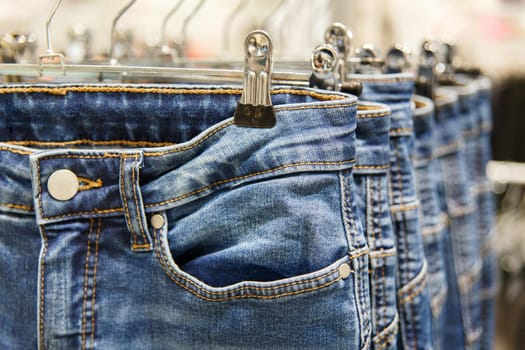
461, 315
413, 301
486, 209
174, 228
371, 179
431, 218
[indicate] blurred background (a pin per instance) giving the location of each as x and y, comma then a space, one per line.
489, 34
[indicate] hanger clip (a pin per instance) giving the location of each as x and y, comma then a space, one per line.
255, 108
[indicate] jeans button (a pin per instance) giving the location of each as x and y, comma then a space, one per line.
63, 185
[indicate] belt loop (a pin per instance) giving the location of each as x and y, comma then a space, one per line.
130, 164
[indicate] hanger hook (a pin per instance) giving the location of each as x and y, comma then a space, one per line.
113, 60
50, 18
266, 22
227, 26
187, 21
163, 40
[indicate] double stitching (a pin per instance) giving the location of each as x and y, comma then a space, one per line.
93, 284
41, 311
85, 287
125, 201
17, 206
372, 115
223, 295
342, 105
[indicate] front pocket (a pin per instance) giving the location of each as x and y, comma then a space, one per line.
269, 239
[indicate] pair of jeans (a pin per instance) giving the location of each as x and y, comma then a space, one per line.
371, 179
141, 217
431, 218
396, 90
461, 314
484, 199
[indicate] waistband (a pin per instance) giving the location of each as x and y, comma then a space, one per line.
394, 90
372, 138
423, 127
467, 91
177, 142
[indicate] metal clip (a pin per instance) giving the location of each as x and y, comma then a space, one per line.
398, 59
325, 65
339, 37
369, 60
255, 107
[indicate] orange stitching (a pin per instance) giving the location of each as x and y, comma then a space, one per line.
17, 206
95, 211
415, 282
14, 150
90, 142
42, 286
84, 299
141, 246
386, 166
89, 184
372, 115
243, 177
398, 208
94, 297
125, 200
95, 156
393, 334
170, 91
134, 186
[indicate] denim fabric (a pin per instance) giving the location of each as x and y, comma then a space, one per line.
432, 220
461, 315
413, 301
370, 176
259, 246
486, 209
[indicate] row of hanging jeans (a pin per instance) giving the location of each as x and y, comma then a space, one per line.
139, 216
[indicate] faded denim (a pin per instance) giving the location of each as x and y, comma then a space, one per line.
258, 244
463, 265
396, 90
431, 218
371, 178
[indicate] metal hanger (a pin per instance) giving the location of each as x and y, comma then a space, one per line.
50, 53
398, 59
112, 59
426, 77
166, 49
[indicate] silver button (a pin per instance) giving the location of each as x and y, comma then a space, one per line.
63, 185
157, 221
344, 271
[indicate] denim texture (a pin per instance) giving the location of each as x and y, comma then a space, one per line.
484, 198
433, 224
462, 312
413, 300
371, 178
259, 246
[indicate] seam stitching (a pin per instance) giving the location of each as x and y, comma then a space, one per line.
41, 326
94, 296
125, 201
134, 186
85, 287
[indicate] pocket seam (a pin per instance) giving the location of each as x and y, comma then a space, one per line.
202, 292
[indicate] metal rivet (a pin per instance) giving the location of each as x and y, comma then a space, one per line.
63, 185
157, 221
344, 271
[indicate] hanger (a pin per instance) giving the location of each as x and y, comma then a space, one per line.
185, 24
398, 59
112, 59
167, 50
